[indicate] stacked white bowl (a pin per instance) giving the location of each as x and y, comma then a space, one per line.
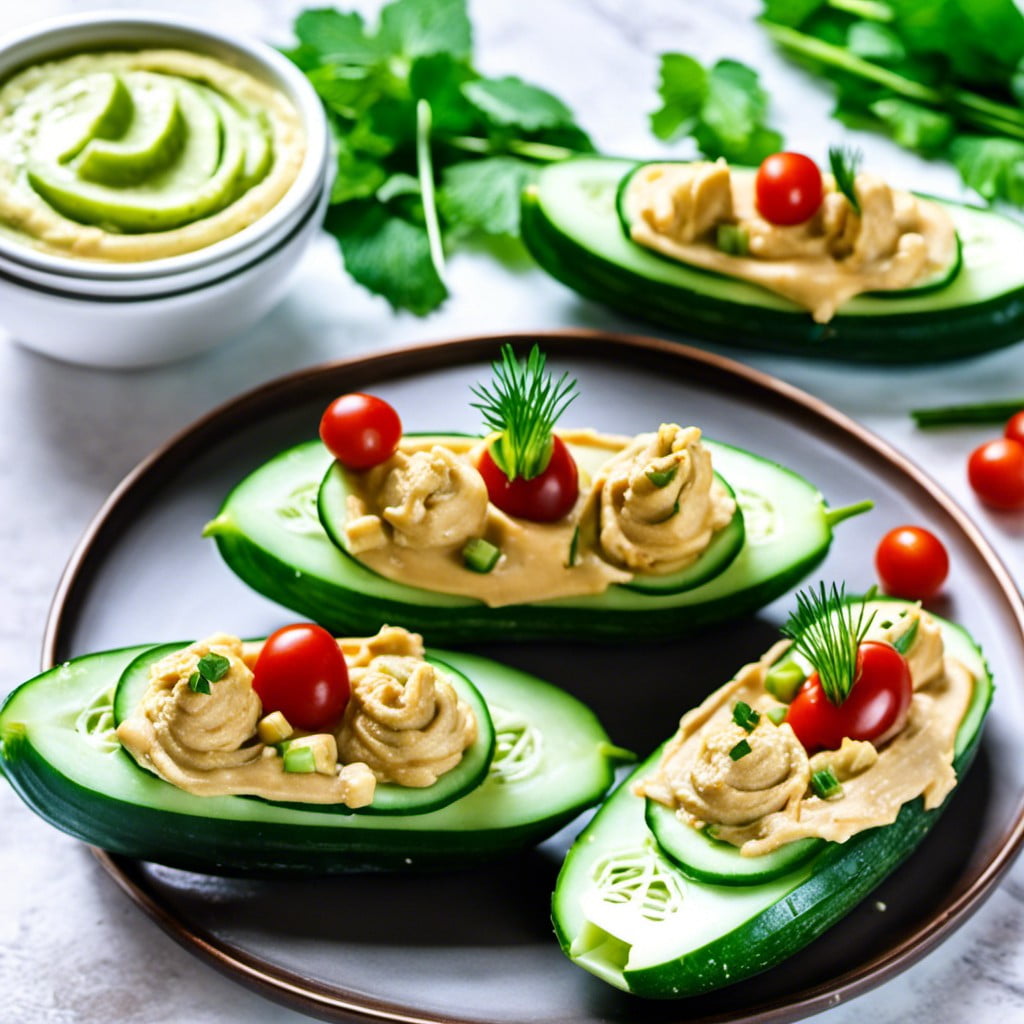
156, 311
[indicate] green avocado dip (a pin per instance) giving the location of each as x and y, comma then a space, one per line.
130, 156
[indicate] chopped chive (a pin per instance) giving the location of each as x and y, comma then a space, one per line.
663, 477
826, 785
300, 760
887, 624
732, 239
740, 750
745, 716
975, 412
480, 555
574, 548
777, 715
783, 680
198, 683
905, 641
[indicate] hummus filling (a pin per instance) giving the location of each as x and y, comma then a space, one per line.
895, 241
652, 507
208, 744
137, 155
762, 800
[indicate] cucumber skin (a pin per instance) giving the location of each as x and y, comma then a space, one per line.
344, 612
897, 340
843, 875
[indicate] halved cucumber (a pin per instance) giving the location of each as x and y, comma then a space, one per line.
939, 278
332, 507
269, 532
57, 748
388, 798
700, 856
570, 224
623, 911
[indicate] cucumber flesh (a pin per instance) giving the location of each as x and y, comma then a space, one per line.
699, 856
570, 224
623, 911
272, 535
388, 798
938, 278
552, 760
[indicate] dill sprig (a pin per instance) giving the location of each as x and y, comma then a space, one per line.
523, 403
827, 630
845, 162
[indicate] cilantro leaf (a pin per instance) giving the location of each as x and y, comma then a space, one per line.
414, 28
913, 125
198, 683
336, 37
213, 666
484, 194
510, 102
387, 253
724, 109
992, 166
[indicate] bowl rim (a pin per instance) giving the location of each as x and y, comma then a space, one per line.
314, 212
57, 34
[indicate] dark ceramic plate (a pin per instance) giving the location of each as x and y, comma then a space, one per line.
477, 946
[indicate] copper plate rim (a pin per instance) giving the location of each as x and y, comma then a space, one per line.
301, 993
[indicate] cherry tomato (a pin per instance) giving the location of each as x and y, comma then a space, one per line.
996, 472
360, 431
911, 562
876, 708
545, 498
301, 672
788, 188
1015, 427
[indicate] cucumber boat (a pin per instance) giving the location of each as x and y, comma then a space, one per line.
656, 907
551, 759
275, 532
574, 225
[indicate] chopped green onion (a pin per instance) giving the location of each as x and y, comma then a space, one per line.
480, 555
663, 477
740, 750
300, 760
783, 680
777, 715
826, 785
745, 716
574, 548
732, 239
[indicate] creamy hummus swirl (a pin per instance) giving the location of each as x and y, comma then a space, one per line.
713, 787
432, 498
659, 502
206, 744
406, 721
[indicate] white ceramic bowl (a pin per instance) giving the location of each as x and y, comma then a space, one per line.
152, 311
128, 333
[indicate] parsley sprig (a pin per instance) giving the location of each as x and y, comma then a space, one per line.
845, 162
523, 403
428, 150
827, 630
210, 669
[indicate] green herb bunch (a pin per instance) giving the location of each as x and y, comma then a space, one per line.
428, 149
942, 77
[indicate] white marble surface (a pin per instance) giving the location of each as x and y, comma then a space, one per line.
71, 948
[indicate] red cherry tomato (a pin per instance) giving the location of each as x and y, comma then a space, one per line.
788, 188
1015, 427
876, 708
360, 431
911, 562
996, 472
545, 498
301, 672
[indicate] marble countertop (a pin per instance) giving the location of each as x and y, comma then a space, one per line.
74, 950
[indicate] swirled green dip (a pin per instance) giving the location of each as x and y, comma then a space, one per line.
140, 155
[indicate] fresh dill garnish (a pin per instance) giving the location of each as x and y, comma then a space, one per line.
845, 162
827, 630
523, 403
